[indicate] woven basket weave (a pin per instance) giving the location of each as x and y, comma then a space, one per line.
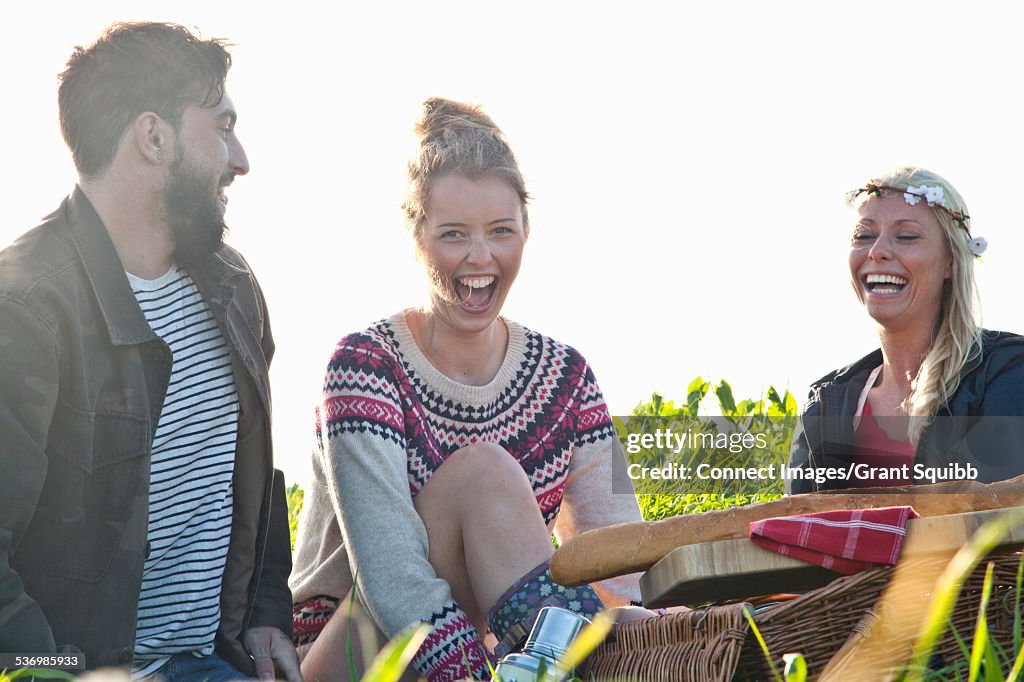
715, 644
698, 645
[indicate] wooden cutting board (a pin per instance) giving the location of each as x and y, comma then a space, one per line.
735, 569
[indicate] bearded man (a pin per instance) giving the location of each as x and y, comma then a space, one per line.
142, 523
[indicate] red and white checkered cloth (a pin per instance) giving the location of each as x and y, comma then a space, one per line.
844, 541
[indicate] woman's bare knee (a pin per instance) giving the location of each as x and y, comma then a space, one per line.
483, 524
478, 472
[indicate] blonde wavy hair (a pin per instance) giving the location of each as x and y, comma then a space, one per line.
956, 339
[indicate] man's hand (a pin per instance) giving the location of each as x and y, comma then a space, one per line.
268, 646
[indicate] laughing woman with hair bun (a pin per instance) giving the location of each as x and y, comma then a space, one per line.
942, 398
451, 442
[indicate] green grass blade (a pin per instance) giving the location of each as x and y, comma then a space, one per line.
586, 641
494, 673
542, 671
1018, 667
1016, 606
1001, 655
394, 658
947, 588
353, 674
796, 667
980, 644
40, 673
760, 640
993, 671
964, 651
466, 664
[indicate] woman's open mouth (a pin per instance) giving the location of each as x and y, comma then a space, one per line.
885, 284
475, 294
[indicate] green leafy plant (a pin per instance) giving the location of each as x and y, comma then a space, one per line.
773, 416
768, 423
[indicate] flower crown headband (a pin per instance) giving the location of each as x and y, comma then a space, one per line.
935, 196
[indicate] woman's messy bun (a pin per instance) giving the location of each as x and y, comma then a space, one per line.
456, 138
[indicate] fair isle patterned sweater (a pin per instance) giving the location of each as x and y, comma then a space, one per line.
387, 421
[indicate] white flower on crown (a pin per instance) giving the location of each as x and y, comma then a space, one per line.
910, 196
977, 246
935, 195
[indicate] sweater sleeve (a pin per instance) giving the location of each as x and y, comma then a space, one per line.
362, 450
589, 498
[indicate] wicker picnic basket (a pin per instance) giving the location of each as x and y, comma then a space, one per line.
829, 626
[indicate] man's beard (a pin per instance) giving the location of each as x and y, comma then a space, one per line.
193, 214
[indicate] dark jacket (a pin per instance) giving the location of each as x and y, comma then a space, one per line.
82, 382
982, 424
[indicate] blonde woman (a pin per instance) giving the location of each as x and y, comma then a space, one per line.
941, 399
451, 440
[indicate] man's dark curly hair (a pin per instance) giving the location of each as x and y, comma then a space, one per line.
131, 69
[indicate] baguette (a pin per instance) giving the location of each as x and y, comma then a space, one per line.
629, 547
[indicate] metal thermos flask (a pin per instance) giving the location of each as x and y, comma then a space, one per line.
552, 633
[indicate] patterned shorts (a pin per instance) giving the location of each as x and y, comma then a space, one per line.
310, 617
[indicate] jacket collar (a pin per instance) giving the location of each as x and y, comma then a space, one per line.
121, 313
830, 431
861, 367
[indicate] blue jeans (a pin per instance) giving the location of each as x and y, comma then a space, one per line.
188, 668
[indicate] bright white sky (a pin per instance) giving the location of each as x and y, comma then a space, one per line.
688, 166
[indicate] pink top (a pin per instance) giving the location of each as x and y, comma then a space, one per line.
872, 446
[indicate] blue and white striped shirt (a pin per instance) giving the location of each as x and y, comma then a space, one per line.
190, 492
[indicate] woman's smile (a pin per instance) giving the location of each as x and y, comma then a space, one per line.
472, 243
899, 262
